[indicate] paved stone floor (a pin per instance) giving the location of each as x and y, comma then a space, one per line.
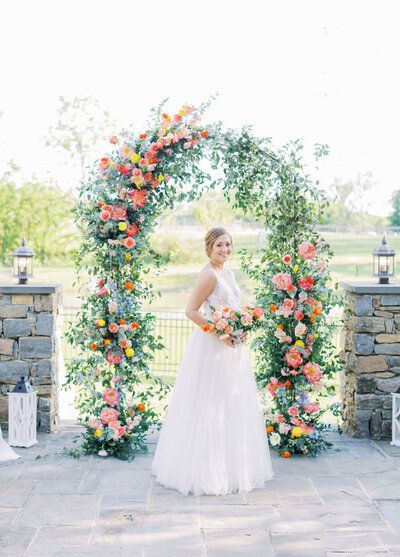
346, 502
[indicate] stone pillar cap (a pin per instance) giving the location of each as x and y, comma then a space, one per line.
30, 288
370, 287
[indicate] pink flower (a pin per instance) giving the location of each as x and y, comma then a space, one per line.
287, 307
111, 396
258, 313
118, 212
125, 151
129, 242
284, 428
221, 324
311, 407
298, 315
141, 219
187, 145
95, 423
138, 198
113, 140
293, 411
300, 329
312, 372
228, 329
293, 357
307, 250
306, 283
282, 281
216, 316
112, 307
108, 415
287, 259
105, 216
114, 359
103, 292
113, 328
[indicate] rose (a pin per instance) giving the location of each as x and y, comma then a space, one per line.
105, 216
128, 242
293, 411
287, 259
132, 230
307, 250
111, 396
113, 328
221, 324
293, 357
300, 329
103, 292
298, 315
282, 281
258, 313
216, 315
228, 330
306, 283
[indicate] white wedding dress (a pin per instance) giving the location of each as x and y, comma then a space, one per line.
213, 439
6, 452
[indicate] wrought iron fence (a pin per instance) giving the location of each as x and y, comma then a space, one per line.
174, 329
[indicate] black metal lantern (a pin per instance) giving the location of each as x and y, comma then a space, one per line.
23, 263
384, 262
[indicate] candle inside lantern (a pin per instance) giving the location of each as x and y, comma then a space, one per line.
382, 267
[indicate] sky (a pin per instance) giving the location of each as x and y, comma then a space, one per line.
323, 71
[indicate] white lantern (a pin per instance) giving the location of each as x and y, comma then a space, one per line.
396, 419
22, 415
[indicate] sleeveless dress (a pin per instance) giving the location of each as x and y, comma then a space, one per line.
213, 438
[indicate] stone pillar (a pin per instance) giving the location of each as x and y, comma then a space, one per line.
29, 346
372, 358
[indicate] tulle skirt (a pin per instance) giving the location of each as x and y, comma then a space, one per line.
6, 452
213, 438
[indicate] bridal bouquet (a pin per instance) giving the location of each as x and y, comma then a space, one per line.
227, 322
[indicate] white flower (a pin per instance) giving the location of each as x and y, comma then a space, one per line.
274, 439
102, 452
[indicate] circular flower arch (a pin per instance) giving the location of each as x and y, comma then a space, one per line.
117, 395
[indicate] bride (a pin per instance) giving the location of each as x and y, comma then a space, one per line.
213, 438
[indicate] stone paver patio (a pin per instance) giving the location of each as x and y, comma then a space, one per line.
346, 502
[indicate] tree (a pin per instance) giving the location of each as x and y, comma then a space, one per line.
395, 216
42, 214
82, 124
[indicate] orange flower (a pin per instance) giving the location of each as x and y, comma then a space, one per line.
273, 307
287, 384
135, 325
204, 133
93, 346
129, 285
143, 136
141, 407
122, 321
279, 326
270, 429
286, 454
207, 327
100, 205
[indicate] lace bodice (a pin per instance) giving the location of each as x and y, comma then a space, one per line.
225, 293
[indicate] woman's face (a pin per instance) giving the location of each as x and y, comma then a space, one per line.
221, 249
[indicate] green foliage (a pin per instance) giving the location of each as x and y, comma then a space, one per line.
395, 215
42, 214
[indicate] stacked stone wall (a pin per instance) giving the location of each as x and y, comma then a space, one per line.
372, 359
29, 347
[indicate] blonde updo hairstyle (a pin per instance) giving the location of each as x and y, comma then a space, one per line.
212, 236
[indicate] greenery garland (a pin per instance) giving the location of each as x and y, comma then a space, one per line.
117, 211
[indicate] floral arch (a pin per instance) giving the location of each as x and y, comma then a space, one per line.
118, 209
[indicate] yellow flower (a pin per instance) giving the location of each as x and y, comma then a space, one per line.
129, 352
297, 431
182, 112
299, 343
90, 206
316, 335
101, 322
128, 256
98, 433
160, 177
135, 158
107, 341
112, 164
295, 268
122, 226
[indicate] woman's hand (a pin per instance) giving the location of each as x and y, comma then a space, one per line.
244, 337
230, 341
